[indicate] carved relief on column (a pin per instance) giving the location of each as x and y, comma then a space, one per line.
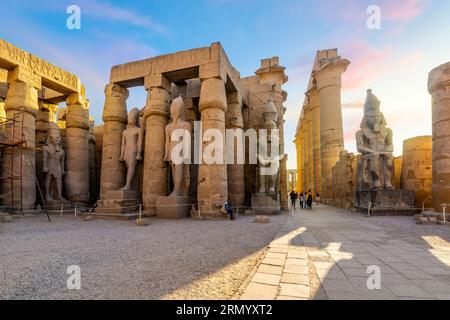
328, 79
212, 189
115, 118
77, 149
439, 88
155, 180
234, 120
315, 110
22, 104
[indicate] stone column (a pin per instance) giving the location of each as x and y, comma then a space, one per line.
309, 148
212, 189
305, 153
417, 169
315, 110
93, 190
235, 171
155, 180
298, 145
22, 104
115, 119
439, 88
328, 77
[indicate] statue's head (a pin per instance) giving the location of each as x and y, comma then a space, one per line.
373, 117
374, 121
270, 112
133, 117
53, 134
177, 108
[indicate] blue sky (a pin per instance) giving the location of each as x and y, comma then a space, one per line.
394, 61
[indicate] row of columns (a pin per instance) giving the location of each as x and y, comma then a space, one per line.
22, 105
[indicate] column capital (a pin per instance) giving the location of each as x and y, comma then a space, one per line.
439, 78
25, 75
212, 70
157, 80
115, 108
330, 71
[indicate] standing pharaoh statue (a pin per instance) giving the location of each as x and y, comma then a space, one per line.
374, 142
131, 149
176, 129
268, 153
53, 164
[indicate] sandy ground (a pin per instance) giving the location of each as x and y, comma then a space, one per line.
183, 259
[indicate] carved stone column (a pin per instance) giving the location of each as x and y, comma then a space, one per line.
93, 190
305, 154
234, 120
328, 77
22, 104
309, 148
315, 110
439, 88
298, 145
155, 181
115, 119
212, 189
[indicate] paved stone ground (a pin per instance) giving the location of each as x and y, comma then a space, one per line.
325, 253
169, 259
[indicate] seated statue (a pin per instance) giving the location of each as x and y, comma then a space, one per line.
268, 164
374, 142
131, 149
180, 169
53, 164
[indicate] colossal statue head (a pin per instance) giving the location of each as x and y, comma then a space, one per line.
133, 117
270, 112
53, 134
373, 117
177, 109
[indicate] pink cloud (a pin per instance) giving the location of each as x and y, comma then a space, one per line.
402, 10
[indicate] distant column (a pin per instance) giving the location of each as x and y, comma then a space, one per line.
309, 148
22, 105
328, 77
235, 171
439, 88
155, 180
115, 119
298, 145
305, 154
212, 189
315, 110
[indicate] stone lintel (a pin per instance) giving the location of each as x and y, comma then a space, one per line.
157, 81
25, 75
234, 97
439, 78
212, 70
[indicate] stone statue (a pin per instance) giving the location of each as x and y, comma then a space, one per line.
131, 149
180, 170
268, 164
374, 142
53, 164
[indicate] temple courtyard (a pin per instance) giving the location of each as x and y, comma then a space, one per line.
318, 254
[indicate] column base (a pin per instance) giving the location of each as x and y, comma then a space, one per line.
266, 204
173, 207
119, 202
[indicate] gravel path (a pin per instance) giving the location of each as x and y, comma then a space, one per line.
183, 259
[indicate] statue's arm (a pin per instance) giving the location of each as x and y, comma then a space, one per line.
45, 160
141, 138
388, 142
122, 148
360, 143
166, 146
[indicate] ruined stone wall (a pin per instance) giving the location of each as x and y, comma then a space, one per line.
344, 182
397, 173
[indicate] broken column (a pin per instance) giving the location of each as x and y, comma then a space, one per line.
212, 189
417, 169
155, 181
76, 180
235, 121
328, 78
21, 104
439, 88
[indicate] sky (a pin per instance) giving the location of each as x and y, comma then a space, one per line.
393, 60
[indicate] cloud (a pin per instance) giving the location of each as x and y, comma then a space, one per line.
353, 105
402, 10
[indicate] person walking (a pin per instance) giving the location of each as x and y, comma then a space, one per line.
302, 200
229, 208
309, 200
293, 195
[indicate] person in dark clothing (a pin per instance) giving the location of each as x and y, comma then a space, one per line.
229, 209
309, 200
293, 195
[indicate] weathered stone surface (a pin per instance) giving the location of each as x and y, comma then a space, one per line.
439, 88
386, 202
173, 207
264, 204
344, 186
417, 169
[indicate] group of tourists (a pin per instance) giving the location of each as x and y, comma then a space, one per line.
305, 199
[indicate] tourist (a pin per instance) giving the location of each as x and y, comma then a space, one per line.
229, 208
309, 200
293, 195
317, 198
302, 200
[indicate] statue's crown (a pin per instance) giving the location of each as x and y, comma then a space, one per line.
372, 103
